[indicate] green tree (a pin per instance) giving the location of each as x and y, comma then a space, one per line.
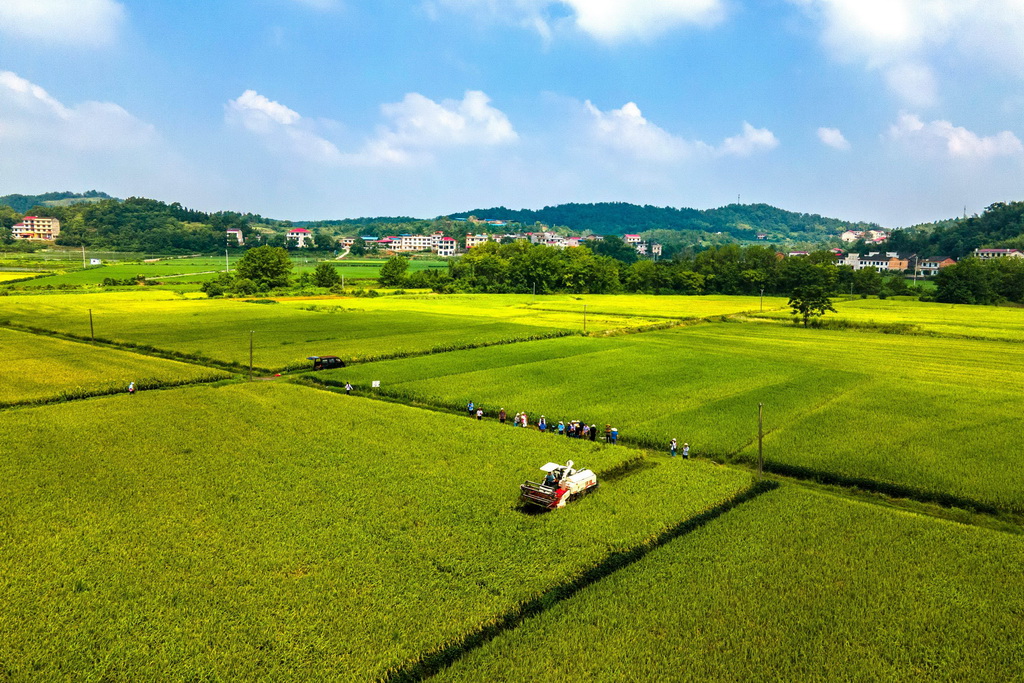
324, 242
325, 275
266, 266
358, 247
810, 301
218, 285
614, 246
392, 273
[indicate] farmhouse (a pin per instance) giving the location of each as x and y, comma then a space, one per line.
412, 243
36, 228
927, 267
237, 234
889, 261
301, 237
446, 246
986, 254
476, 240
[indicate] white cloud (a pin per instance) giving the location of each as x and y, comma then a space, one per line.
749, 141
28, 114
900, 38
417, 127
605, 20
955, 141
833, 137
73, 22
626, 131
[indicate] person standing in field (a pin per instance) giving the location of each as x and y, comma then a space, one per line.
479, 413
586, 431
672, 446
131, 388
470, 407
593, 432
561, 428
607, 433
502, 416
615, 435
348, 388
518, 422
542, 424
686, 450
526, 420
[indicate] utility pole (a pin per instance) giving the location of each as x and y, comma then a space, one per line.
760, 440
762, 299
83, 254
584, 318
250, 354
92, 336
227, 268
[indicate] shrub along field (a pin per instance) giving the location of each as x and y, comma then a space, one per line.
793, 585
38, 369
957, 320
924, 415
286, 333
271, 531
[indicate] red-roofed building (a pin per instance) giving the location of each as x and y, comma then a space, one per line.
446, 246
36, 228
301, 237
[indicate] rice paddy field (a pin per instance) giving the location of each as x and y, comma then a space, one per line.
286, 333
926, 414
37, 369
272, 531
956, 320
791, 586
280, 530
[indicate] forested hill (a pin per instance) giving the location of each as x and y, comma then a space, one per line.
23, 202
743, 221
1000, 226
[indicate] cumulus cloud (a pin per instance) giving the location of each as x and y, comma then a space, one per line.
29, 114
954, 141
417, 127
900, 38
89, 23
626, 131
833, 137
605, 20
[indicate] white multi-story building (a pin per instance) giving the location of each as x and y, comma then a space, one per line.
301, 236
237, 234
476, 240
412, 243
36, 228
998, 253
446, 246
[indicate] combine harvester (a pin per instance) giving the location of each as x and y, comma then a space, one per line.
561, 485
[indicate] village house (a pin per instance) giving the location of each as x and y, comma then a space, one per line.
36, 228
446, 247
928, 267
632, 239
986, 254
476, 240
301, 237
237, 234
889, 261
874, 236
412, 243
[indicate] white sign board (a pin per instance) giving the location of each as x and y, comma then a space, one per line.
95, 262
376, 384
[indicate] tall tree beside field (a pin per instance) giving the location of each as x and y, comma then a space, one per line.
358, 247
267, 266
325, 275
810, 301
392, 273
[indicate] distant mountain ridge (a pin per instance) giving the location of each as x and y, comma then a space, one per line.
23, 202
743, 221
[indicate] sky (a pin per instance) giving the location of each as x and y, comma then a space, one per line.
893, 111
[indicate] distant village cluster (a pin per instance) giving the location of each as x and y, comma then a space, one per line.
38, 228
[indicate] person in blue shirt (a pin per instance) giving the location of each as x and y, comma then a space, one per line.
542, 424
615, 435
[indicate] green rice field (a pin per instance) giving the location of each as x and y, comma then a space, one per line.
35, 369
792, 586
913, 417
271, 531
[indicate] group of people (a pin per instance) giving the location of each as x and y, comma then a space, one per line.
573, 428
673, 447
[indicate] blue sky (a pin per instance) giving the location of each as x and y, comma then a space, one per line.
896, 111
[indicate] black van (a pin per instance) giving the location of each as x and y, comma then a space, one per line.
326, 362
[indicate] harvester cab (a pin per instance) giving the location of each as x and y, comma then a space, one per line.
561, 484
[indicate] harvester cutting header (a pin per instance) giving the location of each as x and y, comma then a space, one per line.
561, 485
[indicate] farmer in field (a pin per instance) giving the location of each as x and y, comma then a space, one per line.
542, 424
470, 408
131, 388
348, 388
479, 413
502, 416
593, 432
607, 433
686, 450
615, 435
672, 447
561, 428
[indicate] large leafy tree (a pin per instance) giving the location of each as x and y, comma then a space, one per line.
267, 266
392, 273
325, 275
810, 301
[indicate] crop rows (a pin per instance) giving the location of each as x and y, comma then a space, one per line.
794, 585
273, 531
928, 417
42, 369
